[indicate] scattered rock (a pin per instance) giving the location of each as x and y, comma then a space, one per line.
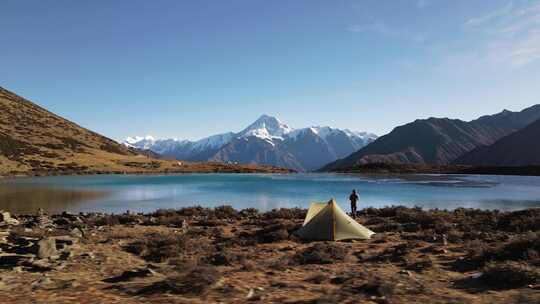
89, 255
4, 216
76, 232
6, 219
405, 272
440, 251
41, 283
41, 265
255, 294
46, 248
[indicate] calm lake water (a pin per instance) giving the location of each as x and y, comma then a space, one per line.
143, 193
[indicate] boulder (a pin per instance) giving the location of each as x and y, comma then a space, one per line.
4, 216
41, 265
46, 248
6, 219
76, 232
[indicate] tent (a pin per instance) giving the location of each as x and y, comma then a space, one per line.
327, 222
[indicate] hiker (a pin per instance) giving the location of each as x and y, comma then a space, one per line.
353, 198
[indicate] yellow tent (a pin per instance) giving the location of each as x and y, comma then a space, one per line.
327, 222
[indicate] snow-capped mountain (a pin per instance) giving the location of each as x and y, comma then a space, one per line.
267, 128
265, 141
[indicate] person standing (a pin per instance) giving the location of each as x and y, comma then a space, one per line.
353, 198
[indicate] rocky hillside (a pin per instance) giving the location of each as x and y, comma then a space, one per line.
438, 141
265, 141
521, 148
35, 141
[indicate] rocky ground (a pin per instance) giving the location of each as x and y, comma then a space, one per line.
199, 255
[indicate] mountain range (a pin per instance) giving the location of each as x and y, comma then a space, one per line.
521, 148
438, 141
265, 141
34, 141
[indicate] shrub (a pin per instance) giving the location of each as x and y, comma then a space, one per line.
510, 275
158, 247
225, 212
525, 247
226, 258
103, 220
194, 211
275, 231
285, 213
194, 282
320, 253
520, 221
249, 212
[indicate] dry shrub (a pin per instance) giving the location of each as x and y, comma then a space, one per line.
420, 265
525, 247
164, 213
382, 224
194, 282
275, 231
174, 220
462, 219
359, 289
520, 221
317, 278
127, 219
395, 254
320, 253
226, 258
510, 275
286, 213
225, 212
194, 211
102, 220
158, 247
249, 213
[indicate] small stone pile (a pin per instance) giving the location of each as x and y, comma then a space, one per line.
43, 220
27, 244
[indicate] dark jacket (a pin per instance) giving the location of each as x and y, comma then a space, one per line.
353, 198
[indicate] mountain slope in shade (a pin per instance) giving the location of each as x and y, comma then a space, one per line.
265, 141
437, 141
521, 148
36, 141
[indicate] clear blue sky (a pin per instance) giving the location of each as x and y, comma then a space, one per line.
188, 69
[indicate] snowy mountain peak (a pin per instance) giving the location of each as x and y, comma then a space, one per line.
136, 139
267, 127
265, 141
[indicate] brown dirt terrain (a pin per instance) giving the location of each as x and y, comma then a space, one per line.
199, 255
34, 141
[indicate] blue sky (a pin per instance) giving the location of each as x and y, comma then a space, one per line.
188, 69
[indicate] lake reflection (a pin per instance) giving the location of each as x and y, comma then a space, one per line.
146, 193
27, 198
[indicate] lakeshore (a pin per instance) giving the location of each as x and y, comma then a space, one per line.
221, 255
